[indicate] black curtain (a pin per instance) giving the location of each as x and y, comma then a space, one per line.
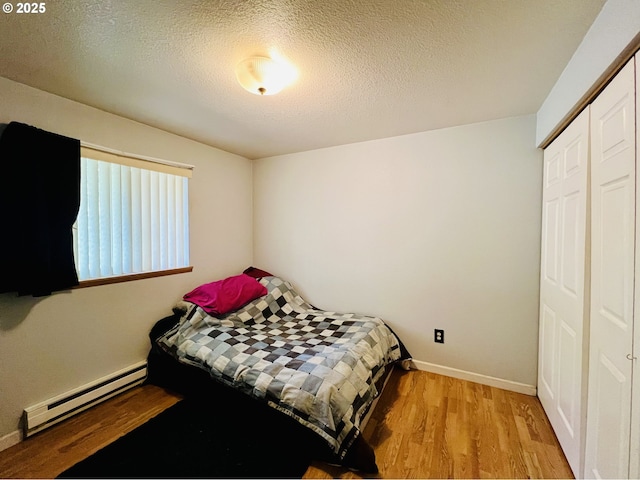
39, 202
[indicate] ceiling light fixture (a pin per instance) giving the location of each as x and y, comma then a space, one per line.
264, 76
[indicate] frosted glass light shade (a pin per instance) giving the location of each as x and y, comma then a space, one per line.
263, 76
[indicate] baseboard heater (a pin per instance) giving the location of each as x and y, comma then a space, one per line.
43, 415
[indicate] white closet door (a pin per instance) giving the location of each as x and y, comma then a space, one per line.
634, 469
561, 386
613, 156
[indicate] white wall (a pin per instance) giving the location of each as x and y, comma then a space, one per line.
614, 28
51, 345
433, 230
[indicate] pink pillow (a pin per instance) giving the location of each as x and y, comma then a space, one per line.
224, 296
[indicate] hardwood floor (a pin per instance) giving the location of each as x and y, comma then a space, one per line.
425, 426
431, 426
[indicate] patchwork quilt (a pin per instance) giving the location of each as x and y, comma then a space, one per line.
318, 367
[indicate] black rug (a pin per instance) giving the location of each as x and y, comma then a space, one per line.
197, 439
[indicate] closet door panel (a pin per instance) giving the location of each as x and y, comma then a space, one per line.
562, 286
615, 244
551, 224
613, 157
610, 381
572, 264
567, 399
547, 371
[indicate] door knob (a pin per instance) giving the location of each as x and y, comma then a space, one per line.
631, 357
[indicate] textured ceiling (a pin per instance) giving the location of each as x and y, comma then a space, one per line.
367, 68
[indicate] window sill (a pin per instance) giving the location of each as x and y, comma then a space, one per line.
130, 278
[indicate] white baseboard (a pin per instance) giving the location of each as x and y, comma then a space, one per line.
10, 439
477, 378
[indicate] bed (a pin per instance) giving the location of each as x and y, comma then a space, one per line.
317, 371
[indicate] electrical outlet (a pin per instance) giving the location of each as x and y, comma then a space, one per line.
438, 336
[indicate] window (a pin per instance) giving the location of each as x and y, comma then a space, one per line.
133, 218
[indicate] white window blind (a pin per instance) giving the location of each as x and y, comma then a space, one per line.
133, 218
